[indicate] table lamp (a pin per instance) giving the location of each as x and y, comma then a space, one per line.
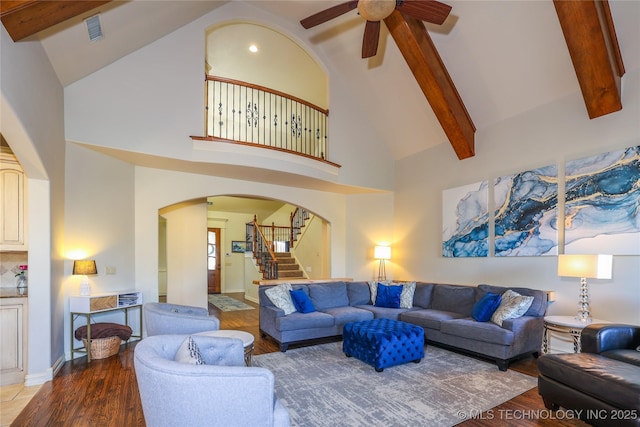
585, 267
382, 253
84, 268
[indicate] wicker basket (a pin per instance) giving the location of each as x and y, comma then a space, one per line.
103, 347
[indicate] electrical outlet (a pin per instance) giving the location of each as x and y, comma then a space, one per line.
308, 269
110, 269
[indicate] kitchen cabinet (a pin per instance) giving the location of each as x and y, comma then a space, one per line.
13, 340
13, 236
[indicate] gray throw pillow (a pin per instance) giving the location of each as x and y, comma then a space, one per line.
512, 306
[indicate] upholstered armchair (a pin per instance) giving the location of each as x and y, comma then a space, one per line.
222, 392
164, 319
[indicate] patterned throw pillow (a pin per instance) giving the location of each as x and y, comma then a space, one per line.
512, 306
281, 298
406, 298
189, 353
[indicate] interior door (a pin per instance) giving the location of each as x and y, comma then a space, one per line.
213, 261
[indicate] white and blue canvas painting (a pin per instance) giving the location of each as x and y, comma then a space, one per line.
526, 212
465, 221
602, 203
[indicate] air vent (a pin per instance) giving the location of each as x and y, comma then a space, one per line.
94, 28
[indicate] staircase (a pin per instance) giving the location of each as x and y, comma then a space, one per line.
288, 268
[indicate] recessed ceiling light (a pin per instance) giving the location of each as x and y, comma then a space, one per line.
253, 48
94, 28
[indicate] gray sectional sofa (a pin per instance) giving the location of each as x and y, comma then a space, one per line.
443, 310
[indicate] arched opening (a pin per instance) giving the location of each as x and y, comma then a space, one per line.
204, 240
264, 90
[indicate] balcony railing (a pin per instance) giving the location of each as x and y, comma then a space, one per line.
245, 113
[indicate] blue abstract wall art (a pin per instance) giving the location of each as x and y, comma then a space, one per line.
602, 203
526, 211
465, 221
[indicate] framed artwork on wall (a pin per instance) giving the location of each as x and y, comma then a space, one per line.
526, 213
465, 221
602, 203
238, 246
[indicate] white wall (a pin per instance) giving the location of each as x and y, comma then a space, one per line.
549, 135
32, 122
157, 111
99, 226
156, 189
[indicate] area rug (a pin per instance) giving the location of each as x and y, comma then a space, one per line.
320, 386
226, 303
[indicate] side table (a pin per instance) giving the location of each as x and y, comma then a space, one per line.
564, 325
246, 338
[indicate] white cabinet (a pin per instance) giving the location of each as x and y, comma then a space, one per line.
13, 340
12, 202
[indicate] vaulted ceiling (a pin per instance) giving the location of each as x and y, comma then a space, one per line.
502, 58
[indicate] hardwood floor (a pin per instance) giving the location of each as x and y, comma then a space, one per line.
105, 393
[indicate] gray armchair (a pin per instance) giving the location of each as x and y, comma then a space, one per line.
223, 392
165, 319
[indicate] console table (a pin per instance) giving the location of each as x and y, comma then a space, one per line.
564, 325
91, 305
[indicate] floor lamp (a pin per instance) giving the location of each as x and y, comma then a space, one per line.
382, 253
585, 267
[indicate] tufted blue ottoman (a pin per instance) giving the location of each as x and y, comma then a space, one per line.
383, 342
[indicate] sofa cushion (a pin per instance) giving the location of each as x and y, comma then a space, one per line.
388, 296
347, 314
297, 321
454, 298
328, 295
422, 295
485, 307
359, 293
301, 301
428, 318
538, 306
384, 312
280, 297
611, 381
624, 355
512, 306
479, 331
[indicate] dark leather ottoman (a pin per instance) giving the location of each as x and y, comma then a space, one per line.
383, 342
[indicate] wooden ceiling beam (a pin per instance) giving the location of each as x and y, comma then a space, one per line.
593, 46
24, 18
425, 63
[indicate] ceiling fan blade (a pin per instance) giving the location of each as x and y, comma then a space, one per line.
426, 10
370, 39
328, 14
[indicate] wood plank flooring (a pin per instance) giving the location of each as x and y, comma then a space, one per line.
105, 393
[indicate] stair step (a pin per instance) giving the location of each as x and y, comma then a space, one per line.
289, 274
286, 261
291, 266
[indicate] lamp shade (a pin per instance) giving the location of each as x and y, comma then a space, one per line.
382, 252
83, 268
588, 266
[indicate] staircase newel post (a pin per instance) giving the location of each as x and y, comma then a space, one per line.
273, 236
291, 230
255, 236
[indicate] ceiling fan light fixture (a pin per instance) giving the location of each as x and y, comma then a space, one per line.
376, 10
94, 28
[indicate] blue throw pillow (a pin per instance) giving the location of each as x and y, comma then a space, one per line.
388, 296
301, 301
486, 306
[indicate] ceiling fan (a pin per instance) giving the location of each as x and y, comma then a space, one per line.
376, 10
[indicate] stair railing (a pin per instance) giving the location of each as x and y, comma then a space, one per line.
262, 250
297, 219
